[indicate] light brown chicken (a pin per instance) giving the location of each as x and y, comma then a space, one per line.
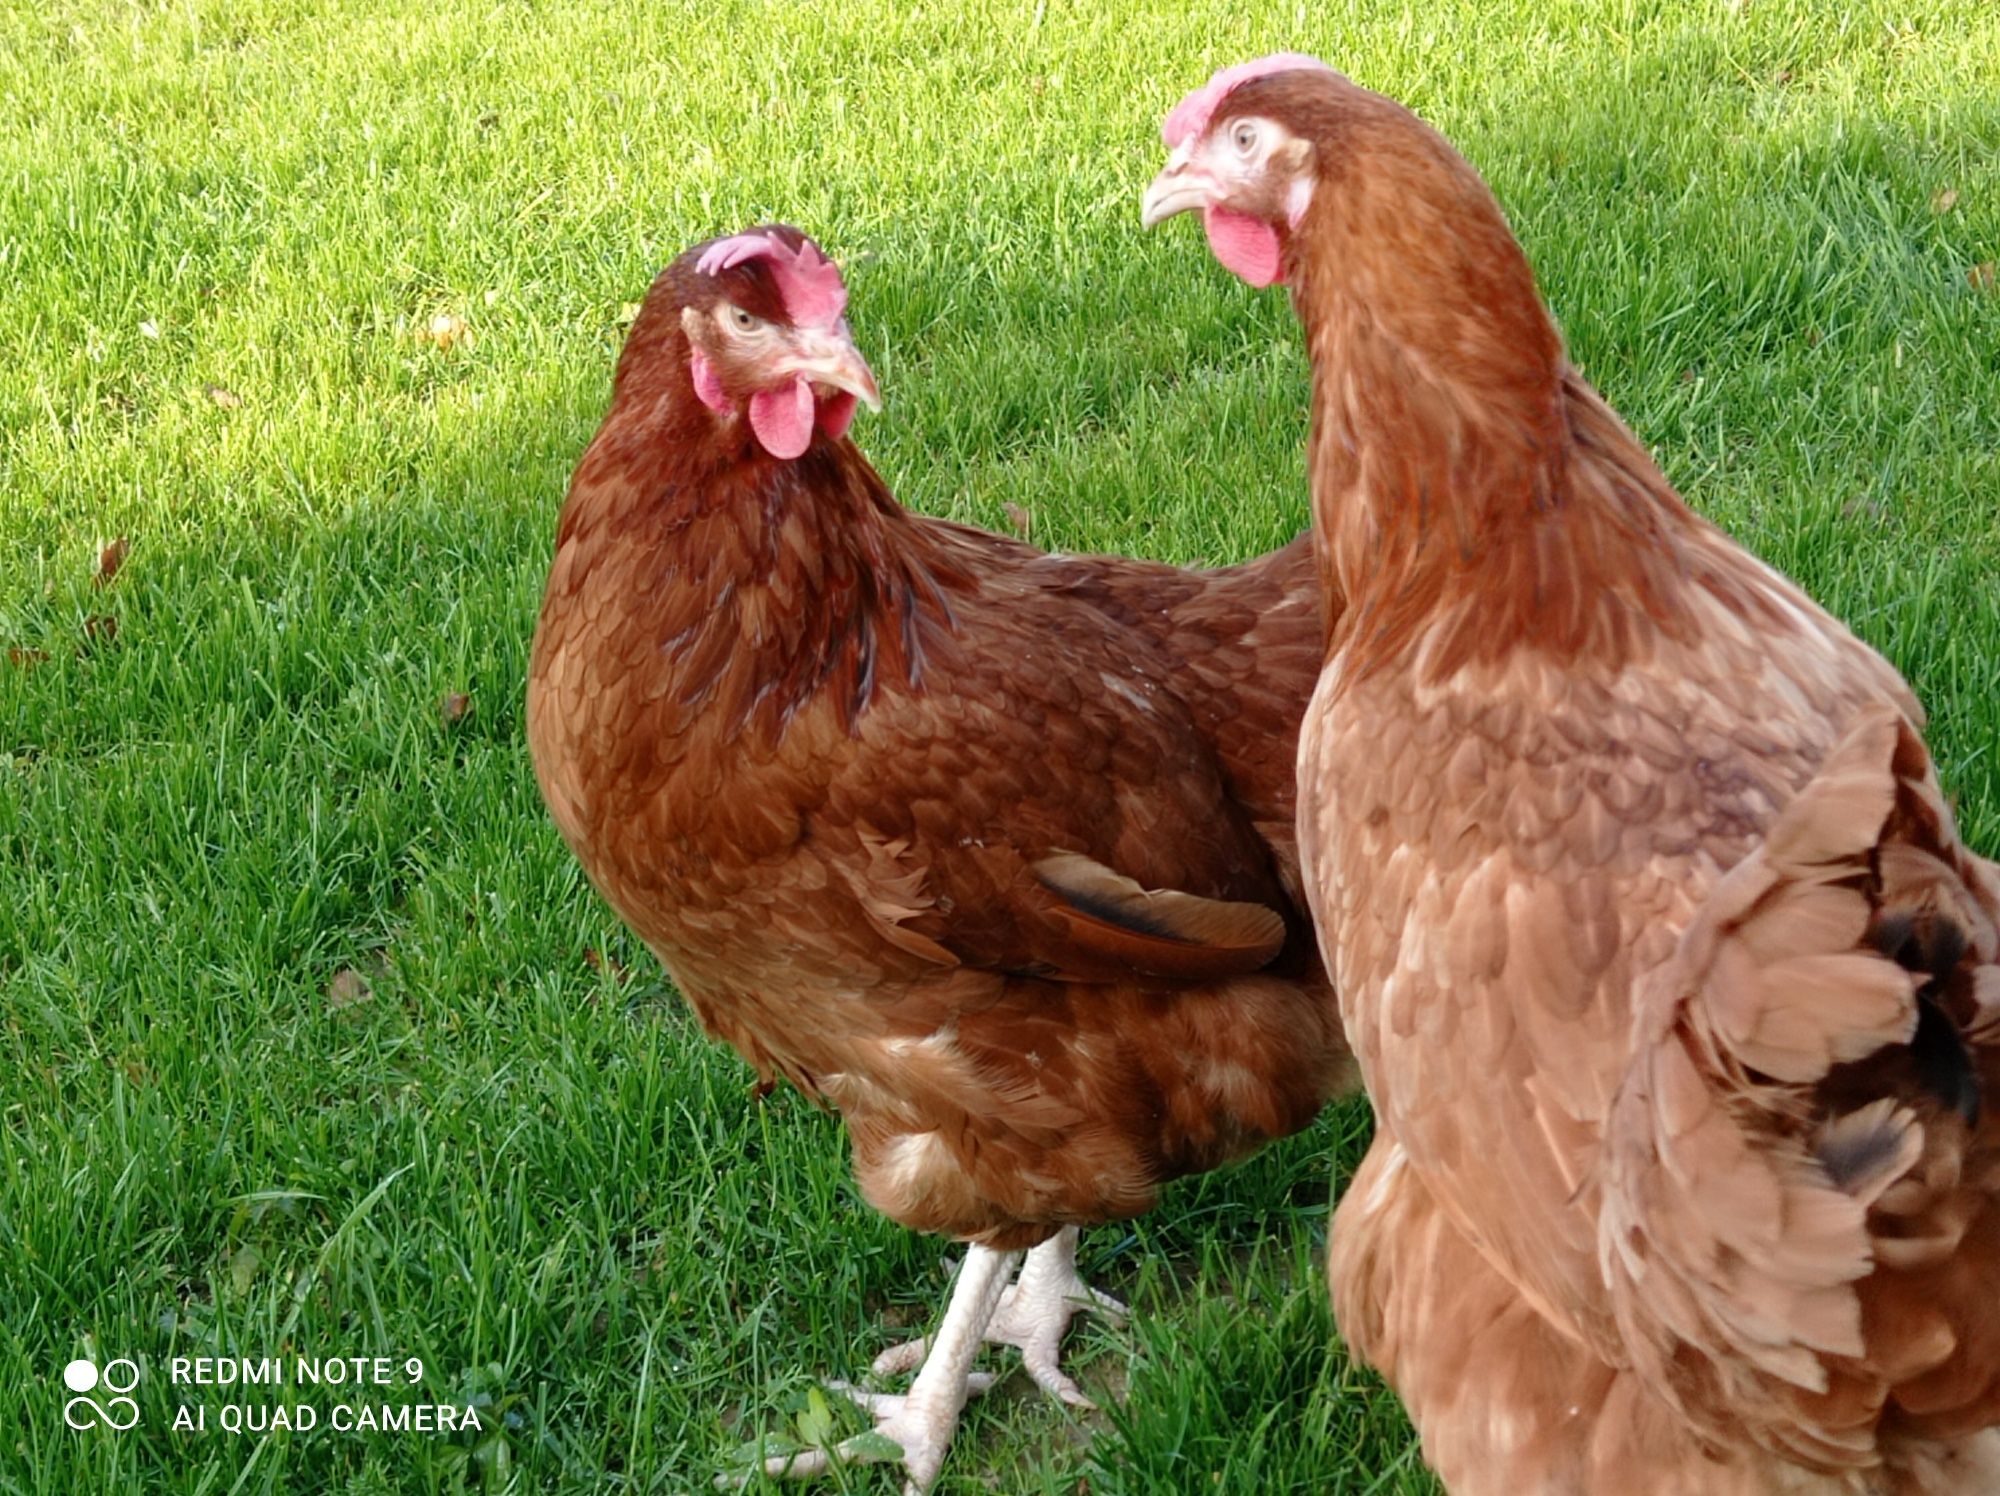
992, 850
1672, 985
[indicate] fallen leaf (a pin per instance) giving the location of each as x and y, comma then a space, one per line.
495, 1458
446, 329
1981, 277
1022, 521
347, 988
597, 961
815, 1424
26, 657
100, 628
243, 1268
149, 329
869, 1444
228, 399
453, 706
1945, 200
109, 559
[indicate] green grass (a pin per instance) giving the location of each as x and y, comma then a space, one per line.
527, 1168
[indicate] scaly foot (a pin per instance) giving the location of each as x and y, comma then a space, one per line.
915, 1428
1033, 1315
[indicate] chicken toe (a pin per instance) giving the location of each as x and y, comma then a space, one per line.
915, 1427
1033, 1315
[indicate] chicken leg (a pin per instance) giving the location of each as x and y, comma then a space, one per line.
920, 1422
1033, 1315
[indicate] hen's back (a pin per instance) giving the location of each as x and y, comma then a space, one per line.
1247, 642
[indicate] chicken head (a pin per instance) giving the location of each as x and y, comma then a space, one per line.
1249, 174
767, 339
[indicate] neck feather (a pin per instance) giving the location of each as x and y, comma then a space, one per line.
1458, 505
762, 584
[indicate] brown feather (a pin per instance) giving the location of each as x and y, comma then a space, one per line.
1116, 924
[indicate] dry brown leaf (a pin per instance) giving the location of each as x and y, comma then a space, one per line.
228, 399
453, 706
1945, 201
598, 961
26, 657
347, 988
109, 559
1022, 521
447, 330
1982, 277
100, 628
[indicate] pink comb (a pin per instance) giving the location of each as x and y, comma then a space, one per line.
808, 282
1189, 118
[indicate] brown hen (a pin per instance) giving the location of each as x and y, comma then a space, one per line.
990, 849
1671, 982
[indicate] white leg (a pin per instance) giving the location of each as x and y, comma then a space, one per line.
1033, 1316
923, 1420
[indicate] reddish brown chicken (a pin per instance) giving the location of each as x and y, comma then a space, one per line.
1672, 984
992, 850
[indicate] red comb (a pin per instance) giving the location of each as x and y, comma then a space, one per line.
1189, 118
808, 282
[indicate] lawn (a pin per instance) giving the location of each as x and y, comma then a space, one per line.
313, 1041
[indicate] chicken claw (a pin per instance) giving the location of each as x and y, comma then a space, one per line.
1033, 1315
915, 1428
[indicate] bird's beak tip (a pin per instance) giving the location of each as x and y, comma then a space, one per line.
1172, 192
862, 384
834, 361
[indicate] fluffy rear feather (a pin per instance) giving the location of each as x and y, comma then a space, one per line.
1800, 1225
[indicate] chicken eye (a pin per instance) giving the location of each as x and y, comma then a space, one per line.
1244, 137
743, 320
